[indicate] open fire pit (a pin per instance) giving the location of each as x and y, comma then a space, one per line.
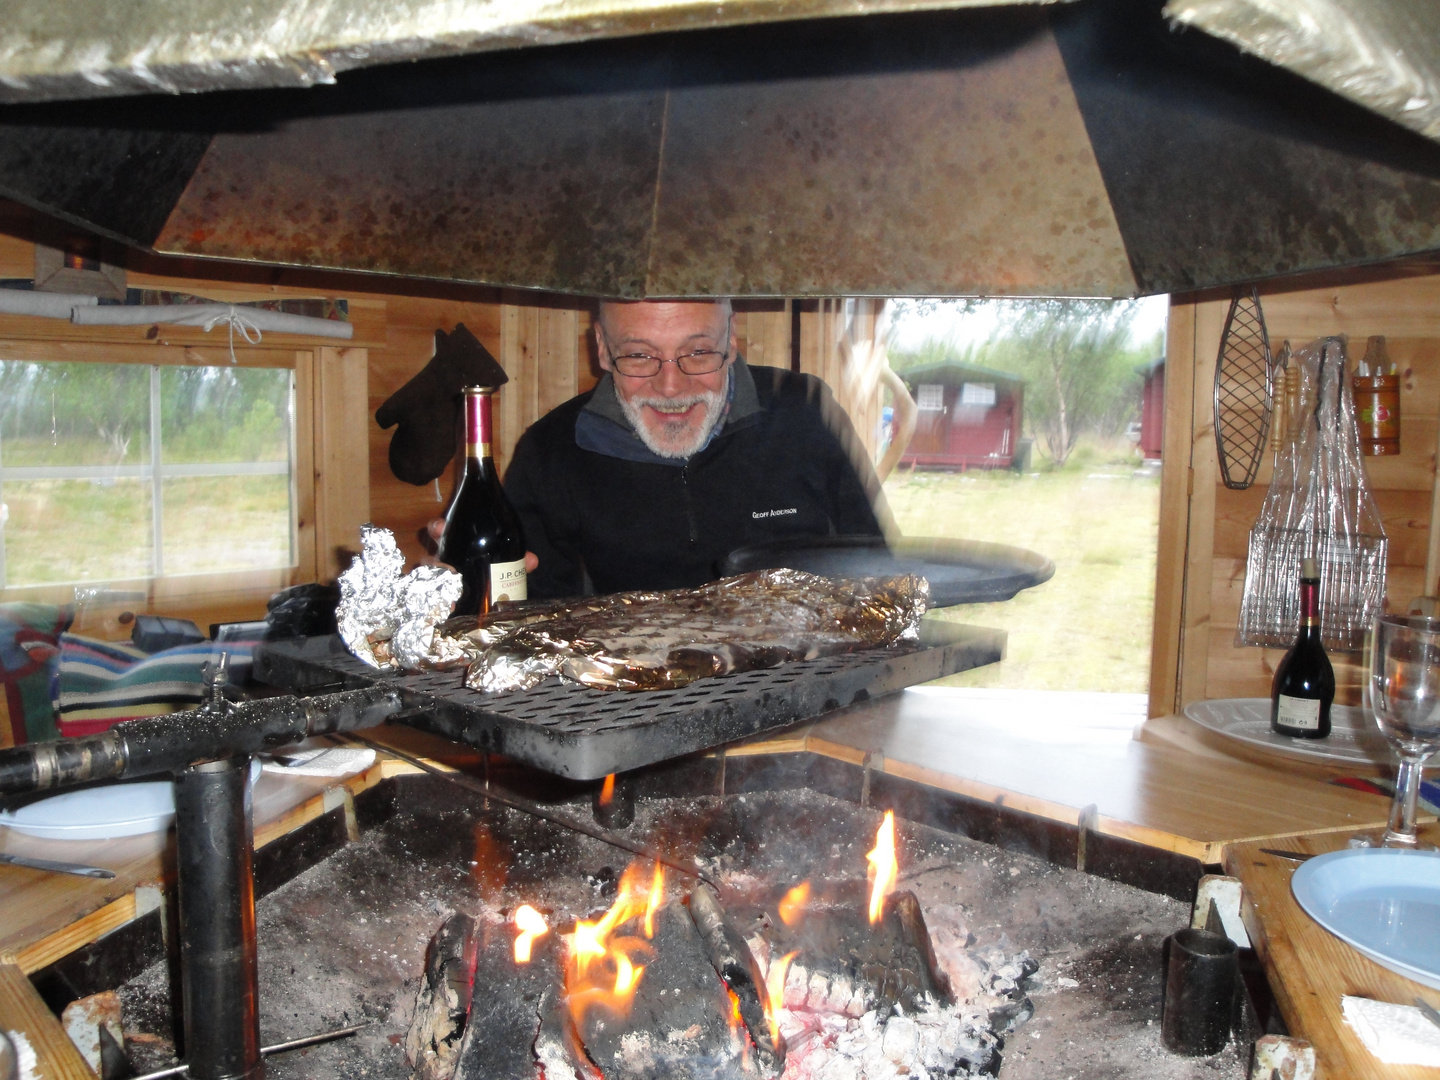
348, 940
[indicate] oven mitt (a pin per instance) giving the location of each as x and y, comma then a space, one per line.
427, 408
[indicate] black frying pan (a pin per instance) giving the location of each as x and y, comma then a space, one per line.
959, 571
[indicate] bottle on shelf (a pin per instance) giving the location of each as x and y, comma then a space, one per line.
483, 538
1304, 686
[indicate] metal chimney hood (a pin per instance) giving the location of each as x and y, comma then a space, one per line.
1081, 149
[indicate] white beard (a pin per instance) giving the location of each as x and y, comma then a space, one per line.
675, 438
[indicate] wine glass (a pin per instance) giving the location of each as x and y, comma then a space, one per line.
1405, 697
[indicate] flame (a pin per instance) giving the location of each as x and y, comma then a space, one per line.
775, 993
657, 897
607, 789
601, 969
531, 925
883, 868
738, 1033
792, 905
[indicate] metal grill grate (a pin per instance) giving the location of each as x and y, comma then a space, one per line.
1244, 391
584, 734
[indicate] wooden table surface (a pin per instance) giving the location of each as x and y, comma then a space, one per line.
1309, 968
1056, 754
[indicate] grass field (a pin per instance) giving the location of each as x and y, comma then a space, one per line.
1088, 627
81, 530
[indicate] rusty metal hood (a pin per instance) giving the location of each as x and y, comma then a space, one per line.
1085, 149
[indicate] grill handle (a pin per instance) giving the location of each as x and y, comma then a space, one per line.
162, 744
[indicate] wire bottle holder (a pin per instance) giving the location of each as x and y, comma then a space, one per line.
1318, 506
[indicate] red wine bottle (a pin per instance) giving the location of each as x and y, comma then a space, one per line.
1304, 685
483, 539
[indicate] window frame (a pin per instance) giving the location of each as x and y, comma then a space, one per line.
329, 474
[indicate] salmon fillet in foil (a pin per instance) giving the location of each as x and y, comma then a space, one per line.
661, 640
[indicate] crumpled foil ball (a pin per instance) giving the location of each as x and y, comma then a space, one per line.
386, 619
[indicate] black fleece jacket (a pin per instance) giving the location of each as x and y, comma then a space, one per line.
784, 464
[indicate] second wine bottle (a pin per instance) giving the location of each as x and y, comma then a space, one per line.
1304, 686
483, 538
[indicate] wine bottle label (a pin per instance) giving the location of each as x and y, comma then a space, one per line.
508, 581
1302, 714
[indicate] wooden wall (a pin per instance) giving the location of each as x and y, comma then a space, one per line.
1205, 526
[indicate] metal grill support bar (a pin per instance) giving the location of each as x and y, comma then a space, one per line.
218, 952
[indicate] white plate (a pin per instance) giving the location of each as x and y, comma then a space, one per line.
98, 813
1354, 737
101, 813
1382, 901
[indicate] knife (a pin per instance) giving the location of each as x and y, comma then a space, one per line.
1293, 856
1428, 1011
56, 867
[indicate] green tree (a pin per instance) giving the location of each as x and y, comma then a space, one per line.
1073, 352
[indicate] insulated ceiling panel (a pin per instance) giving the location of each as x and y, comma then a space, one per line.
550, 192
976, 177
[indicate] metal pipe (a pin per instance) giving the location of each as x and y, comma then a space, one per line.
220, 975
159, 744
278, 1048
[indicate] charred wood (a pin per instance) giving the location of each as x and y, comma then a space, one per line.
677, 1026
507, 1002
736, 965
432, 1045
904, 908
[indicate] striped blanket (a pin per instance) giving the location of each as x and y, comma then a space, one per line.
100, 683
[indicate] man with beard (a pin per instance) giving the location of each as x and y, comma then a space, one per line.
681, 454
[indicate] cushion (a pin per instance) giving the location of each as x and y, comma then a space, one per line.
29, 655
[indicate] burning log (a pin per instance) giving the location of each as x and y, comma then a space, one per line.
675, 1025
731, 957
442, 1007
517, 973
904, 908
861, 1000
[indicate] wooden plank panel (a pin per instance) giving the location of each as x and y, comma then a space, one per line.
558, 361
1309, 969
1174, 512
341, 466
23, 1010
1204, 469
1404, 307
1405, 514
154, 352
519, 355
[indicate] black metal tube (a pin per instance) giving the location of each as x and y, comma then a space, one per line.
1200, 984
220, 976
157, 744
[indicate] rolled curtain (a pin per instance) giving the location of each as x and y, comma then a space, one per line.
209, 315
51, 305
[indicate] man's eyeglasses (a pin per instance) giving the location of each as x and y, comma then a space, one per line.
645, 366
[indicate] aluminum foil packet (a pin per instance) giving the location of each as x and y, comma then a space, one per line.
388, 619
662, 640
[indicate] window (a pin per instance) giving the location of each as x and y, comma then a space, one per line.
115, 471
976, 393
930, 397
